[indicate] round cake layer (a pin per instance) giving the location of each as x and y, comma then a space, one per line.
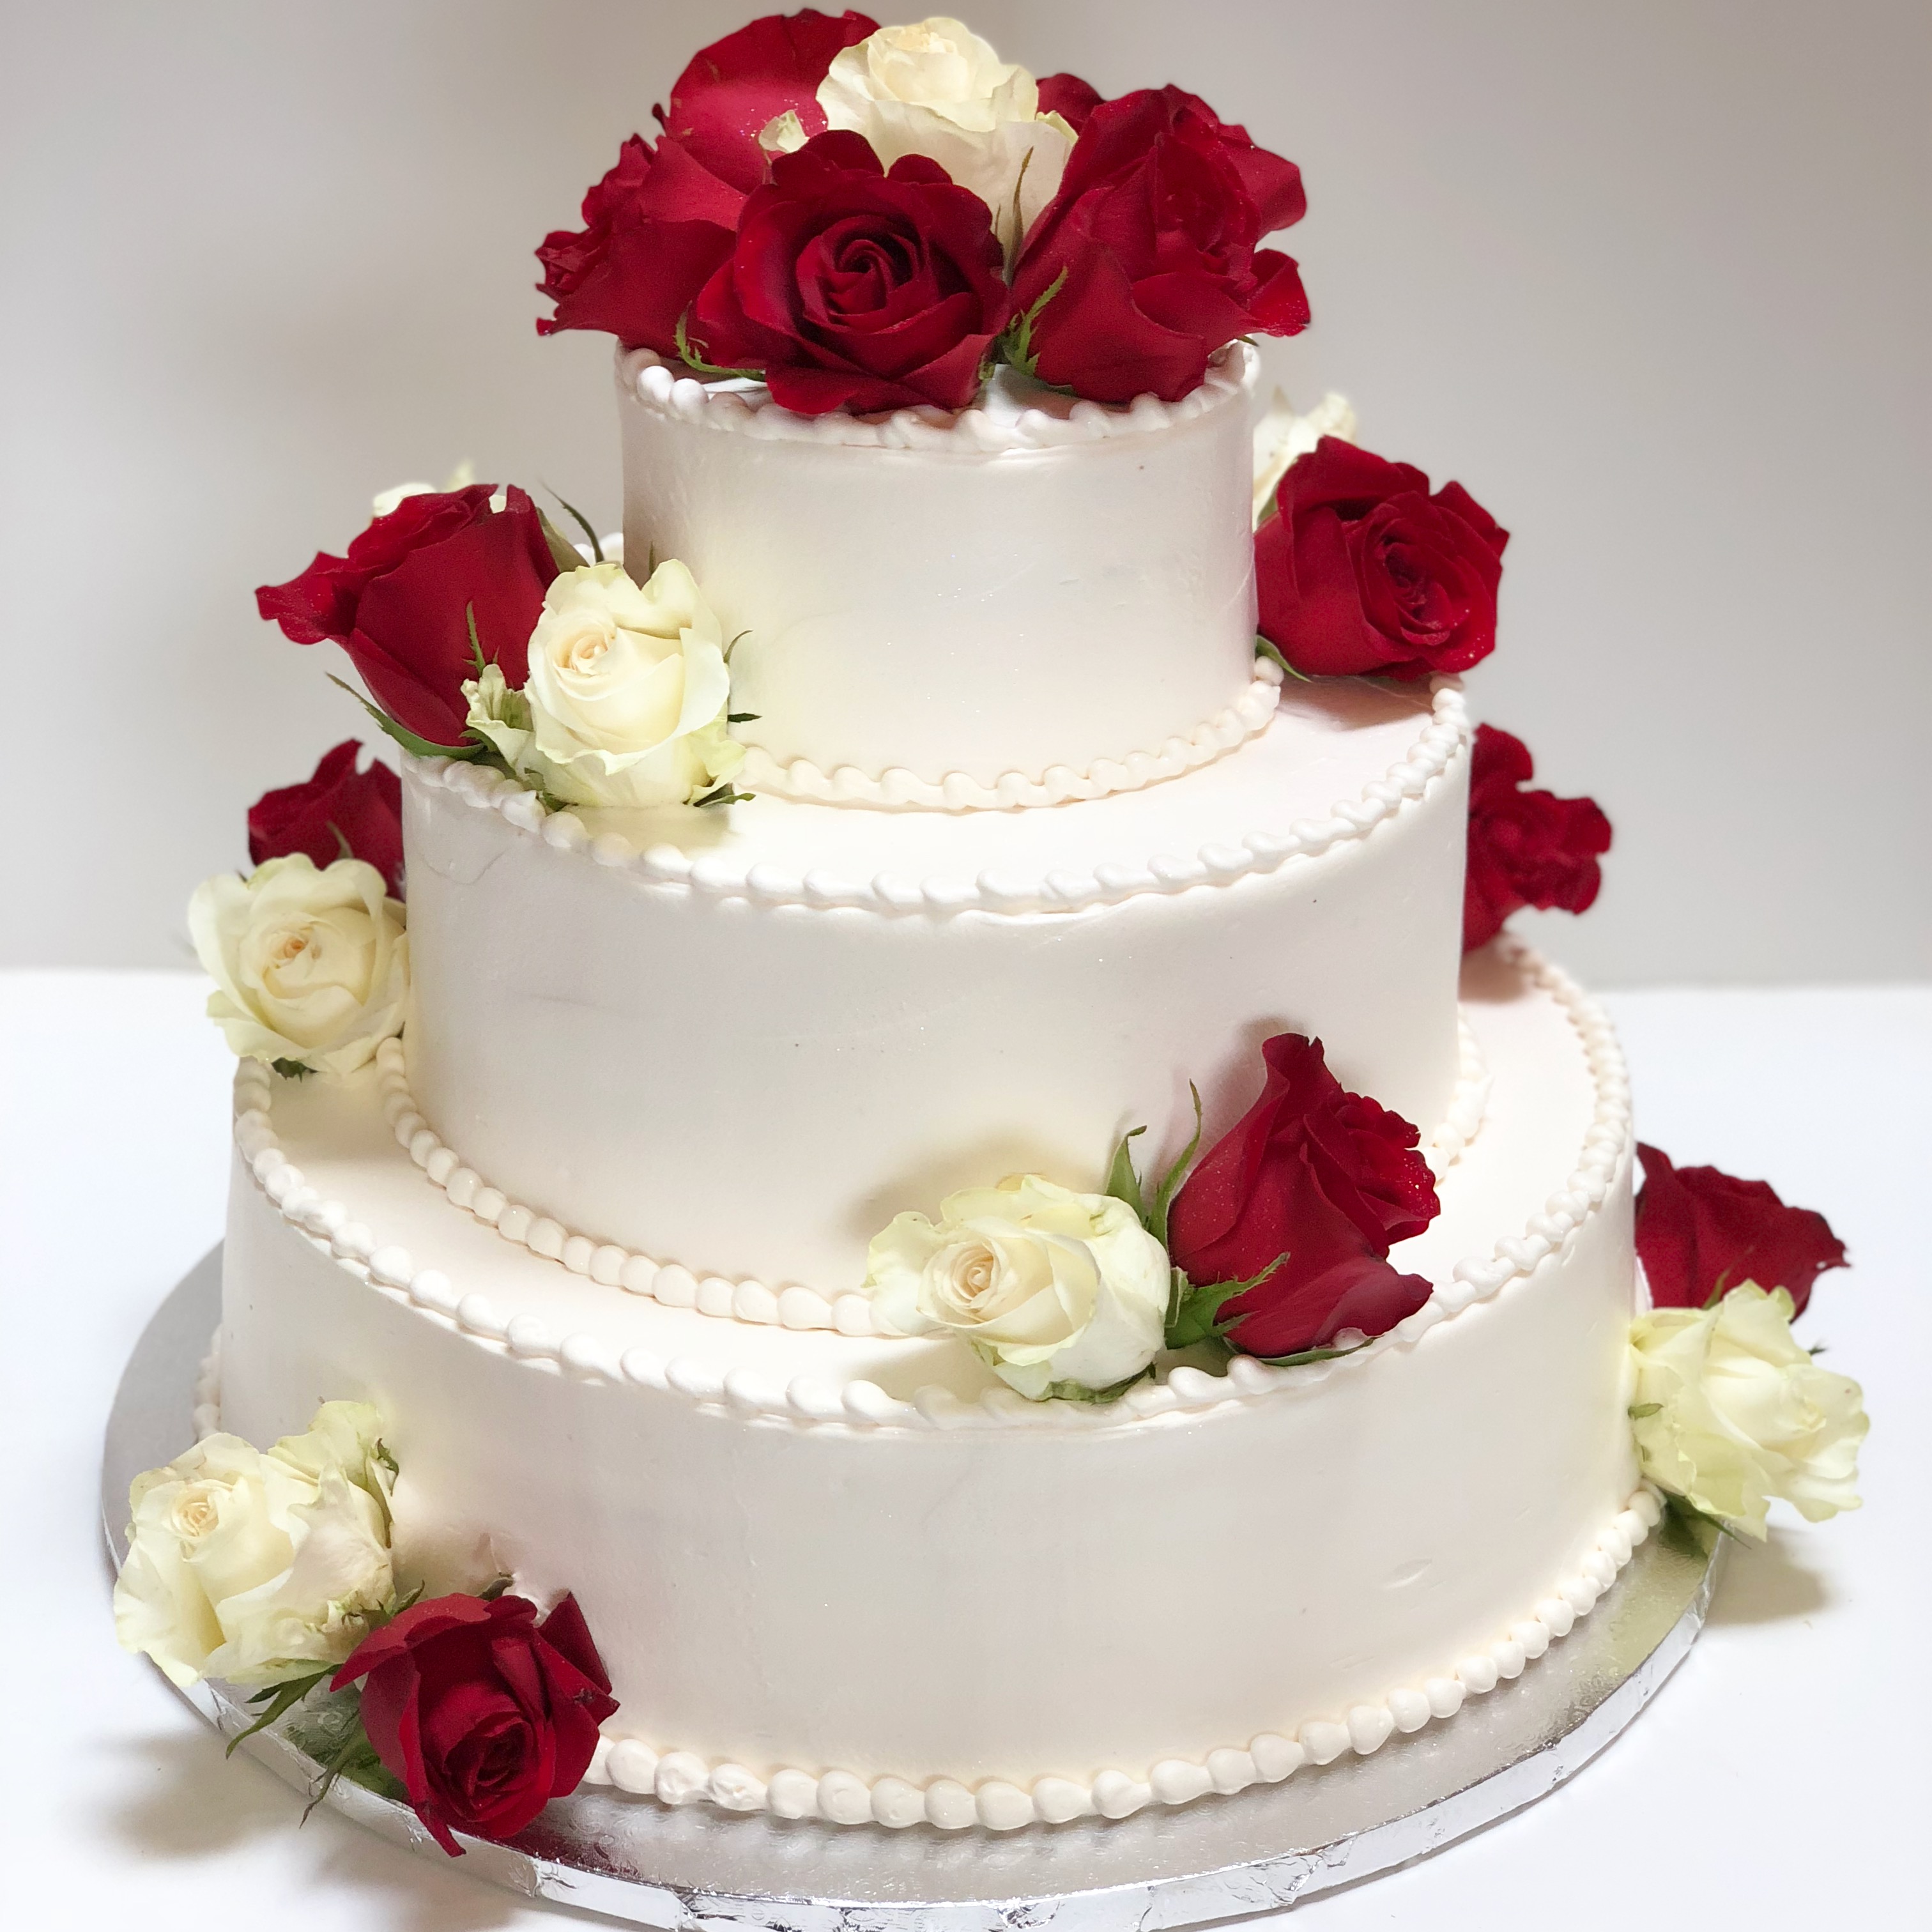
1033, 585
740, 1041
854, 1576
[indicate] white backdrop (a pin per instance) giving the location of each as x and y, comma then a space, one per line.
1651, 279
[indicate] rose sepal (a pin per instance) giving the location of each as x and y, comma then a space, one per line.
1194, 1314
1124, 1184
1080, 1392
1015, 342
418, 747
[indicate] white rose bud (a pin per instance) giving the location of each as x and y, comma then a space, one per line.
1730, 1411
937, 89
310, 964
625, 701
1282, 437
1050, 1287
256, 1567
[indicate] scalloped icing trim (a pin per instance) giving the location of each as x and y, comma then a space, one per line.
839, 1797
793, 1306
1435, 749
810, 1402
1060, 785
978, 430
842, 1798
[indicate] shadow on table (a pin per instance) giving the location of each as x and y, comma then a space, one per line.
190, 1804
1768, 1582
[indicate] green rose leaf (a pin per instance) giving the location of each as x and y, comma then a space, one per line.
584, 524
1124, 1184
276, 1699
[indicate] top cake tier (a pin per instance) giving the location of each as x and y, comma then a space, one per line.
1032, 600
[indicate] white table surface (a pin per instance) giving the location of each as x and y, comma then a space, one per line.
1781, 1779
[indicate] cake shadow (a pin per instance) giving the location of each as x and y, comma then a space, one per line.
1767, 1583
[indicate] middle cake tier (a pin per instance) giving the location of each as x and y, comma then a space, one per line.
739, 1042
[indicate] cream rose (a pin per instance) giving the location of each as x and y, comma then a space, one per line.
1281, 437
939, 90
626, 698
1051, 1287
460, 478
311, 964
1729, 1411
256, 1567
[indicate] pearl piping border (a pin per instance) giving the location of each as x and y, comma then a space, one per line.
842, 1798
1436, 748
959, 791
644, 378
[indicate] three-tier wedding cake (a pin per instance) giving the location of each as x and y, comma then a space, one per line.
723, 1190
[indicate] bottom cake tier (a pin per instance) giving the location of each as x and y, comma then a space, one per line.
854, 1577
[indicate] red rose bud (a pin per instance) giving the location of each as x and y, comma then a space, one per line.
1324, 1178
484, 1713
399, 602
339, 813
737, 87
1700, 1233
655, 229
853, 288
1526, 848
1145, 264
1364, 572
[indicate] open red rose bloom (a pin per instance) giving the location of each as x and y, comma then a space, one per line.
484, 1713
1147, 262
1701, 1232
662, 221
853, 286
1310, 1190
1363, 570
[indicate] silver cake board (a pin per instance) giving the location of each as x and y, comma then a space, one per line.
1219, 1858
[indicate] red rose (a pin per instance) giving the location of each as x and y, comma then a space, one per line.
1154, 229
1364, 572
1700, 1233
735, 87
655, 229
364, 808
851, 288
1525, 847
657, 226
397, 602
1324, 1178
484, 1715
1070, 96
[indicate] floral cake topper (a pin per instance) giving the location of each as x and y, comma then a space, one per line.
868, 218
